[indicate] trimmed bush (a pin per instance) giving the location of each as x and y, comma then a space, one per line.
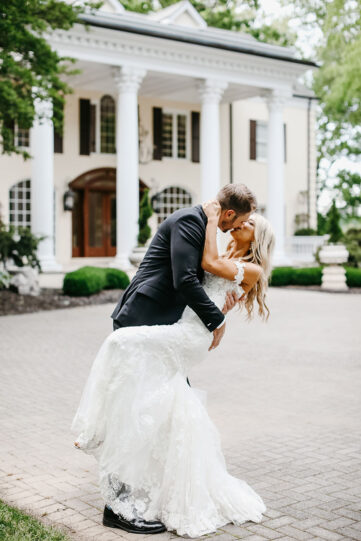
305, 232
116, 279
285, 276
353, 277
307, 277
84, 282
281, 276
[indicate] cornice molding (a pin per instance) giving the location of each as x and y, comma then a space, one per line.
186, 57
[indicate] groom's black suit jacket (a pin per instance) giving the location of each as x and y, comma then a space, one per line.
169, 276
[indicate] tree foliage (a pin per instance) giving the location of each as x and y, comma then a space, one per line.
29, 67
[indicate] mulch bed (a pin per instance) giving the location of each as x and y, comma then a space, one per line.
51, 299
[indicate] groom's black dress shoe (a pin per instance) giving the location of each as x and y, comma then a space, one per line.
139, 525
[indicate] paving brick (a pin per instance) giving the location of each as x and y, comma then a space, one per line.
286, 407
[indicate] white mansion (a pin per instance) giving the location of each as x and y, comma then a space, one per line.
163, 102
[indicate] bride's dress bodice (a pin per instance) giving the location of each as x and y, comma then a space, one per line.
216, 289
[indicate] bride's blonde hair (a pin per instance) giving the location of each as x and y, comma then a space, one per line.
260, 253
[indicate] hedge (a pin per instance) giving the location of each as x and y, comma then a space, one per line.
309, 276
89, 280
353, 277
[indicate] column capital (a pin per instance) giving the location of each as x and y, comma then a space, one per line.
211, 90
276, 99
128, 78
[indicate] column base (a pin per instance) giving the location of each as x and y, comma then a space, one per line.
121, 261
49, 264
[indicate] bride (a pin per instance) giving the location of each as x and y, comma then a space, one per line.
159, 454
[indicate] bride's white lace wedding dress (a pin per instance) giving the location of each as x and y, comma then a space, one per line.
149, 429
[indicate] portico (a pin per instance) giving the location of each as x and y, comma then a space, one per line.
133, 56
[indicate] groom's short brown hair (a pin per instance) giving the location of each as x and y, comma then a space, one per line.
237, 197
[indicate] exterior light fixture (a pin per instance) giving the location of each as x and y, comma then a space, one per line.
68, 200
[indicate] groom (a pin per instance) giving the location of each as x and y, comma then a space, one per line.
168, 279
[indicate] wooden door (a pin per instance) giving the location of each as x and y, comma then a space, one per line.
99, 224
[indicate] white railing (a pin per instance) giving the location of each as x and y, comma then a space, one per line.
302, 249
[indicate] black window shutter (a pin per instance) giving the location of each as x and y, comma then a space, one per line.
285, 142
195, 136
84, 124
157, 133
93, 128
252, 139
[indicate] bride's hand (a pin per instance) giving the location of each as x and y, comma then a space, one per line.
212, 208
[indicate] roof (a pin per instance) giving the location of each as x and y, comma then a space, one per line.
181, 22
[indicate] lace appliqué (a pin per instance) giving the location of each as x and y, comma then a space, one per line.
240, 272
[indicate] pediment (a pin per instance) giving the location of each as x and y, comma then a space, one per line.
182, 14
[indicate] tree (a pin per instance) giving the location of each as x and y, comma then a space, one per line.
349, 190
333, 223
29, 68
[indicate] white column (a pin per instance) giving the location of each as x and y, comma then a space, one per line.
275, 174
42, 184
128, 80
211, 93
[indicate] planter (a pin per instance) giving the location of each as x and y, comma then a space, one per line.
334, 275
137, 255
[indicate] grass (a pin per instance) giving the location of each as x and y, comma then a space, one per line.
17, 526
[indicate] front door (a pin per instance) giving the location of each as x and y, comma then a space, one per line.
99, 223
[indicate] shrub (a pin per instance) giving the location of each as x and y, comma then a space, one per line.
333, 224
305, 231
353, 277
353, 244
84, 281
281, 276
307, 277
89, 280
116, 279
19, 245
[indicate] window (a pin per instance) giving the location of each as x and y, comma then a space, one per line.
171, 199
20, 204
107, 125
174, 135
258, 140
261, 140
23, 138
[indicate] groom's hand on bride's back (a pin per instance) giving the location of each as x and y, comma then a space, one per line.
217, 336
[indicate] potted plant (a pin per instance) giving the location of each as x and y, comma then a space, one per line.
145, 232
334, 254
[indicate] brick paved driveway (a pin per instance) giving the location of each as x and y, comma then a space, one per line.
286, 397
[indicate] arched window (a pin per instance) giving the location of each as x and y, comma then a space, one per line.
107, 125
20, 204
171, 199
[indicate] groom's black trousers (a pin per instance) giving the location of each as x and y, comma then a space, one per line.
142, 312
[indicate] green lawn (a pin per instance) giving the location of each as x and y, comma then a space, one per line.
17, 526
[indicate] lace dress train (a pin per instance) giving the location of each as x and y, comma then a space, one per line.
150, 430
